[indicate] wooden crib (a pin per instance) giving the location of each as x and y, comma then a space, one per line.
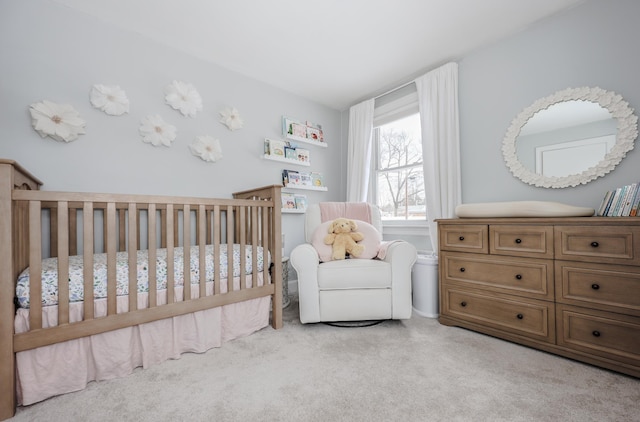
36, 224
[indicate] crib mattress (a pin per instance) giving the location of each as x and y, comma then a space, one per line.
76, 276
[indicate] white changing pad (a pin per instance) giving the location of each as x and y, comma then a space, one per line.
522, 209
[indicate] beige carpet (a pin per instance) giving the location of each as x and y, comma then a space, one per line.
414, 370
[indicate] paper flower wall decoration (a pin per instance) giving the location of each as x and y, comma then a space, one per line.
59, 121
231, 118
110, 99
207, 148
156, 131
183, 96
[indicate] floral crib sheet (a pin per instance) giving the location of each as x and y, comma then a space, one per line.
76, 279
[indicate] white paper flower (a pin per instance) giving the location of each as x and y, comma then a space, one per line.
110, 99
59, 121
183, 96
156, 131
231, 118
207, 148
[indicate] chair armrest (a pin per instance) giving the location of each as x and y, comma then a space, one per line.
401, 255
305, 260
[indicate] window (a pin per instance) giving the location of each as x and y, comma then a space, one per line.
398, 184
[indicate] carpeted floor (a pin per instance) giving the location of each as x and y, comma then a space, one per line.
414, 370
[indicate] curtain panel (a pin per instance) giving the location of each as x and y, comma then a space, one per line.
439, 120
360, 146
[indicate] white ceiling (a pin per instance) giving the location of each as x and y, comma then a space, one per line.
335, 52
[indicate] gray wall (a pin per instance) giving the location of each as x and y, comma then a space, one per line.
593, 44
48, 51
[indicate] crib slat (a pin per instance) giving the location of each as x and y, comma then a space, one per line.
243, 256
171, 282
73, 231
254, 246
63, 262
122, 230
152, 251
265, 244
216, 250
35, 266
87, 259
133, 256
202, 256
186, 250
110, 228
230, 241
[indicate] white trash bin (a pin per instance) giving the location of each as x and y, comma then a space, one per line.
424, 282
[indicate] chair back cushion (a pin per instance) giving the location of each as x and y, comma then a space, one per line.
313, 218
371, 242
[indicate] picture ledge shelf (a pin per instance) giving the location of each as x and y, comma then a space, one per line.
294, 211
306, 140
304, 187
286, 160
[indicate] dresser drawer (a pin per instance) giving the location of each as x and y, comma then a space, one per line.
527, 317
518, 276
521, 240
608, 287
606, 334
606, 244
464, 238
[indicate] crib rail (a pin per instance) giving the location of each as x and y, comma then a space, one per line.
63, 224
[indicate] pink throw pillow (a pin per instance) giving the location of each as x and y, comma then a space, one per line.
371, 242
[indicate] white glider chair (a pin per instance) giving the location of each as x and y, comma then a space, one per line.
376, 286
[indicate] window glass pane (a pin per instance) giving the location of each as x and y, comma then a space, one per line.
399, 143
401, 194
399, 180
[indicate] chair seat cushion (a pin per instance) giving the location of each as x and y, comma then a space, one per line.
354, 274
371, 241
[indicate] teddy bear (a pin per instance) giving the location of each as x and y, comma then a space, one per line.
343, 236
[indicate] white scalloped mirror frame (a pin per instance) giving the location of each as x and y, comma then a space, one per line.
626, 134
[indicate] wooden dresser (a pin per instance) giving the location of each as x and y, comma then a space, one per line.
569, 286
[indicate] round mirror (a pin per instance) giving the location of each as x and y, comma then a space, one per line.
570, 138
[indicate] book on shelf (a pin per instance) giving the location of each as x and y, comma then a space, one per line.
621, 202
301, 201
303, 155
305, 178
288, 200
316, 179
290, 177
290, 153
275, 147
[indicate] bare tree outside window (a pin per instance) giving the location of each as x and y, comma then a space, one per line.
400, 180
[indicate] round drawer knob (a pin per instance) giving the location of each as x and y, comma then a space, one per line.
463, 304
595, 286
596, 333
518, 240
520, 316
462, 270
461, 238
518, 277
595, 244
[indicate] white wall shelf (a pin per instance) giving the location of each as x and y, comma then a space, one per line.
286, 160
294, 211
304, 187
306, 140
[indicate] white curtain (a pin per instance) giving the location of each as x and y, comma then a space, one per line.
359, 151
438, 103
